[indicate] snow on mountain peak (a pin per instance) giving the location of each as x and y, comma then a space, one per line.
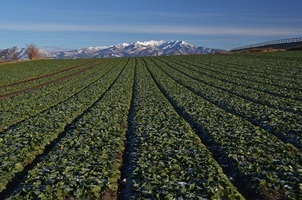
98, 48
150, 43
122, 45
185, 43
180, 42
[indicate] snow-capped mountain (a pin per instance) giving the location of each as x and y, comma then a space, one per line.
78, 53
146, 48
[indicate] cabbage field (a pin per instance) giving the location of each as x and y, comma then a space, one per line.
168, 127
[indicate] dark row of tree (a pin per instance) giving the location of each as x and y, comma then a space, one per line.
12, 54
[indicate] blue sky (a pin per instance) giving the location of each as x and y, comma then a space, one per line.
70, 24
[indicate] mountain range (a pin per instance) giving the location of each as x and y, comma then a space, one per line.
147, 48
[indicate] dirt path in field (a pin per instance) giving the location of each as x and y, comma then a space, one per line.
125, 156
42, 76
8, 95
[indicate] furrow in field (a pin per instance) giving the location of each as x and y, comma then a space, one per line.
258, 163
125, 167
165, 159
239, 81
21, 107
255, 96
30, 84
262, 65
274, 66
286, 126
21, 144
45, 75
84, 161
225, 68
46, 83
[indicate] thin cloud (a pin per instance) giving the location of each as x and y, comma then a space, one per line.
154, 29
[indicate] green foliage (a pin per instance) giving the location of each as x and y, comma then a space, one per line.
27, 139
249, 153
27, 104
83, 164
167, 156
200, 126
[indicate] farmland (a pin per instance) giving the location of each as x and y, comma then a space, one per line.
183, 127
